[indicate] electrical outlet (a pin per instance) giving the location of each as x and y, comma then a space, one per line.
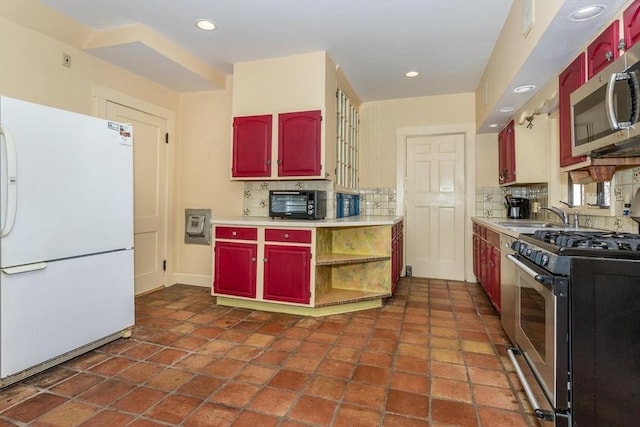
66, 60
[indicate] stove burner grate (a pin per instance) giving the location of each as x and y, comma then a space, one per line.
598, 240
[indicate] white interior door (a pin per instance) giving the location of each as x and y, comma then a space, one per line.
149, 169
435, 202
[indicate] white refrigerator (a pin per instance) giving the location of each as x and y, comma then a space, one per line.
66, 236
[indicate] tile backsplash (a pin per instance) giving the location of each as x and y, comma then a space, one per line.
373, 201
490, 201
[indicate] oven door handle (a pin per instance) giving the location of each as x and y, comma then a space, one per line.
540, 413
545, 279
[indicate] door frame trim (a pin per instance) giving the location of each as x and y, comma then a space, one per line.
469, 131
102, 95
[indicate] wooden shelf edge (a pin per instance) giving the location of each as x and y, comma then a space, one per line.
337, 259
346, 296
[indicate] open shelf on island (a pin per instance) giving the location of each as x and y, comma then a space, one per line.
346, 296
336, 258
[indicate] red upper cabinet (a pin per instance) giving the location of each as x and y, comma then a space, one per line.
507, 154
299, 143
603, 49
631, 19
251, 146
569, 80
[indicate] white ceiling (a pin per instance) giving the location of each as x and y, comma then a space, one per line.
373, 41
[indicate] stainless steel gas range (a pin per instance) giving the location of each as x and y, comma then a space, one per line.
577, 338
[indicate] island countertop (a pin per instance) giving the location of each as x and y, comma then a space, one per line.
352, 221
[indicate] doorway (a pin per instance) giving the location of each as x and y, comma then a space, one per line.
150, 192
433, 178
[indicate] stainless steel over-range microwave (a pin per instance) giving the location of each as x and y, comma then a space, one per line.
298, 204
606, 109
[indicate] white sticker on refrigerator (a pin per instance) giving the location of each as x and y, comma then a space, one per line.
126, 132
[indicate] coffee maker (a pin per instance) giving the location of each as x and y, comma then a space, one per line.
517, 207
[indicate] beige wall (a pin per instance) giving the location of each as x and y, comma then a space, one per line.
31, 69
510, 53
486, 160
380, 120
198, 158
202, 175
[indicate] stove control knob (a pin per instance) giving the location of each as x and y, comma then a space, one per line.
538, 259
528, 252
545, 260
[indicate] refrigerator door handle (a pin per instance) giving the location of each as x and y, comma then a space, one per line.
11, 184
24, 268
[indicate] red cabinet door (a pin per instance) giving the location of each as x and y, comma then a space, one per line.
502, 156
251, 146
631, 20
507, 154
287, 273
299, 143
476, 256
569, 80
603, 49
235, 269
494, 279
484, 263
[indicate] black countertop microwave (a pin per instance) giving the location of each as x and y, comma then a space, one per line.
298, 204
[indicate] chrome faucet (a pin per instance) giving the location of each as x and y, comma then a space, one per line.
562, 214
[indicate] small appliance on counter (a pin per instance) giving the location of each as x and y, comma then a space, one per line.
347, 205
298, 204
517, 207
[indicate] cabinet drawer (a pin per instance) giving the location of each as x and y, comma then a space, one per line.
493, 238
285, 235
239, 233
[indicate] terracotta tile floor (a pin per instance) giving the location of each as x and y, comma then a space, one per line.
434, 355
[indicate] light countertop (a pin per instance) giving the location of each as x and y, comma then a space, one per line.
352, 221
514, 227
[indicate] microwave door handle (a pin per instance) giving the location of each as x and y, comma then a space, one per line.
611, 114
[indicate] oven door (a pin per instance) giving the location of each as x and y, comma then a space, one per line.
541, 356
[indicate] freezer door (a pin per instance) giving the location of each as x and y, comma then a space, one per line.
73, 184
47, 312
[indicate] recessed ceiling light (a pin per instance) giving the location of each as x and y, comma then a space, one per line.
524, 88
412, 74
494, 125
507, 109
205, 24
586, 13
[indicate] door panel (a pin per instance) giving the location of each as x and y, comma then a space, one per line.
435, 205
149, 169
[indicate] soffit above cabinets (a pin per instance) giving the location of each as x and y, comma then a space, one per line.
146, 53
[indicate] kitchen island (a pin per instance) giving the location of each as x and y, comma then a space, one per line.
313, 268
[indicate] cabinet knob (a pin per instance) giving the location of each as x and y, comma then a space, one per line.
286, 235
608, 56
234, 233
253, 259
264, 259
268, 162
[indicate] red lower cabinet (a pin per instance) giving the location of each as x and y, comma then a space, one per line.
397, 254
235, 269
486, 262
287, 273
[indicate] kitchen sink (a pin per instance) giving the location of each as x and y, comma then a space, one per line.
524, 224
